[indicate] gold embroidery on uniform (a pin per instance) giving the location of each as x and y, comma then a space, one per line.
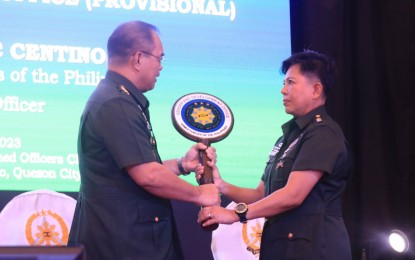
124, 90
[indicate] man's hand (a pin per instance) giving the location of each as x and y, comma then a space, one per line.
191, 159
209, 195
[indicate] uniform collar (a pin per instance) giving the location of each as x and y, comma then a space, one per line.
303, 121
120, 80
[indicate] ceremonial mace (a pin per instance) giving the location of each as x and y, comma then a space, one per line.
202, 117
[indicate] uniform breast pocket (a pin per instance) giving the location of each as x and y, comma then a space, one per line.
281, 172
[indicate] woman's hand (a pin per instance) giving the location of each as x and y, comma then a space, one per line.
215, 214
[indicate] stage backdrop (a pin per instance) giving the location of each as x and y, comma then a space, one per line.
52, 55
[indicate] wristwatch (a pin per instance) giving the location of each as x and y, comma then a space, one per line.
180, 166
241, 209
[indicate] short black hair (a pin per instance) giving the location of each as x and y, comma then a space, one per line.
314, 64
129, 38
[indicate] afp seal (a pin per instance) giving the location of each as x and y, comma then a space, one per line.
202, 117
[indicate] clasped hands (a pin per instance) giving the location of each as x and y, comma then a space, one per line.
209, 213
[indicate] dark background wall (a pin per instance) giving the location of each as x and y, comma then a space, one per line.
372, 42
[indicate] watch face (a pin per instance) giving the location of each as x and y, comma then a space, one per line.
240, 207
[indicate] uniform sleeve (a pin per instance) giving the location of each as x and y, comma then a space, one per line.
124, 131
320, 150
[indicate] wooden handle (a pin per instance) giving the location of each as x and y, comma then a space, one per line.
206, 178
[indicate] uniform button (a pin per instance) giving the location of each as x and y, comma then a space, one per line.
290, 235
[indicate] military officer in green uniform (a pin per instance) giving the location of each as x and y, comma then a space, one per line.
300, 192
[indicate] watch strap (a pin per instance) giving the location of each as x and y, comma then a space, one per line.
180, 167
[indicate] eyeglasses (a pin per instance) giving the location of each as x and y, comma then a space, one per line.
160, 59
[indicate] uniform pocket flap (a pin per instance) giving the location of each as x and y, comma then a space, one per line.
153, 213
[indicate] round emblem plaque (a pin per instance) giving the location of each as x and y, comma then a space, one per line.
201, 117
